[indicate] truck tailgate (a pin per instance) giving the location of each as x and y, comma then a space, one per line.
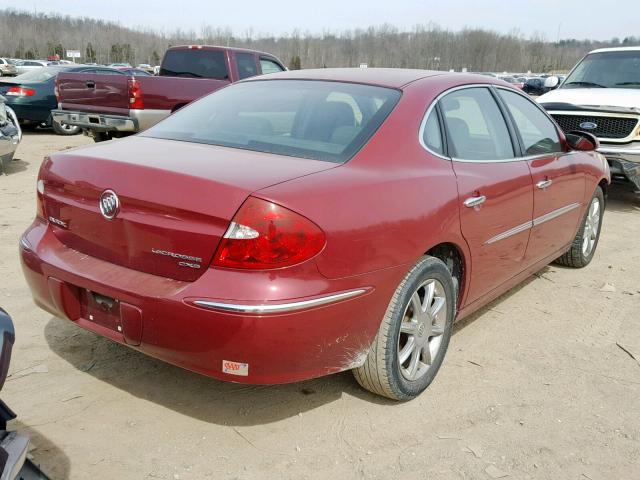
169, 93
92, 92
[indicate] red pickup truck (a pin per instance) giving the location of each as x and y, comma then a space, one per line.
111, 106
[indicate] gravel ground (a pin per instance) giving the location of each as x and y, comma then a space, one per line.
541, 384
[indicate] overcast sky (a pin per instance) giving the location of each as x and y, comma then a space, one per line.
573, 18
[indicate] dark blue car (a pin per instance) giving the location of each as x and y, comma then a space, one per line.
32, 94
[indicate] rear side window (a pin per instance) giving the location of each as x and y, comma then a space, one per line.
538, 133
269, 66
246, 64
195, 63
318, 120
432, 136
475, 126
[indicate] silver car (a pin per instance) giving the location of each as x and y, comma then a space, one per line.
10, 135
7, 67
24, 66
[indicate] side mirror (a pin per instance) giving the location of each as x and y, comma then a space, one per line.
582, 141
551, 82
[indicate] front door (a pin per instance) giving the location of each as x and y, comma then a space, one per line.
494, 187
558, 181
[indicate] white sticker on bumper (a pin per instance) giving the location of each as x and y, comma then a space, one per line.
235, 368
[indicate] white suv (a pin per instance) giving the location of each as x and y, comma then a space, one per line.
601, 96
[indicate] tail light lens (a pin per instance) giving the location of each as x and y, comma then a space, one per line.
20, 92
264, 235
135, 95
56, 90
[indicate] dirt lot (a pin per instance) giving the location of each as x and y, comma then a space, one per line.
542, 384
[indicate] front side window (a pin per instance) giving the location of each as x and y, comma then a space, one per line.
538, 133
475, 126
269, 66
246, 64
319, 120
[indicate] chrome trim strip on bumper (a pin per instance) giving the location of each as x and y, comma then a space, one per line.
278, 308
554, 214
536, 221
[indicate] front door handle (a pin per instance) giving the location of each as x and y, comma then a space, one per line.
542, 184
90, 84
474, 201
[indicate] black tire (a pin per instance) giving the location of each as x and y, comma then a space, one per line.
65, 129
577, 256
382, 373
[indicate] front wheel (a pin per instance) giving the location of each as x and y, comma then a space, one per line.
585, 242
414, 335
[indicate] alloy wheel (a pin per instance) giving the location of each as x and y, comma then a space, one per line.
421, 330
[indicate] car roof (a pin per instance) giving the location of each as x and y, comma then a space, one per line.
617, 49
220, 47
383, 77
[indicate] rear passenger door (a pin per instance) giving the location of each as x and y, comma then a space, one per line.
558, 180
494, 186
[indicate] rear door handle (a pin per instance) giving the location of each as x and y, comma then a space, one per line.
542, 184
90, 84
474, 201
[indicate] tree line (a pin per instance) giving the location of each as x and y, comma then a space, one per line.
29, 35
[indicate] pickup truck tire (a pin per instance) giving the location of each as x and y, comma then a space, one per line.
64, 129
584, 244
397, 365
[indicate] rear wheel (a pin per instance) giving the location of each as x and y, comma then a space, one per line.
584, 244
414, 335
65, 129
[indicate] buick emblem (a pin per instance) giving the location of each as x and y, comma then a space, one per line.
109, 204
588, 125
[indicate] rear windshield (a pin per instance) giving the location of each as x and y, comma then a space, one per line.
40, 74
319, 120
195, 64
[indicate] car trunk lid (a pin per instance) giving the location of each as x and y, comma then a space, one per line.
176, 199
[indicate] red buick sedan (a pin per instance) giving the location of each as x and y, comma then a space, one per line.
309, 222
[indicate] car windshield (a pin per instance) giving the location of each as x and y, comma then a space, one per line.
319, 120
606, 70
39, 74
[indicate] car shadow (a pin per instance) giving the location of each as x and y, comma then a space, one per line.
205, 398
622, 198
15, 166
189, 393
44, 453
465, 322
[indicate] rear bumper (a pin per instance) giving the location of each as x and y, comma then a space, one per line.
624, 161
274, 327
136, 121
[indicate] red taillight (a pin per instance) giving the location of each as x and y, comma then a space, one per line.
265, 235
56, 90
20, 92
135, 95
